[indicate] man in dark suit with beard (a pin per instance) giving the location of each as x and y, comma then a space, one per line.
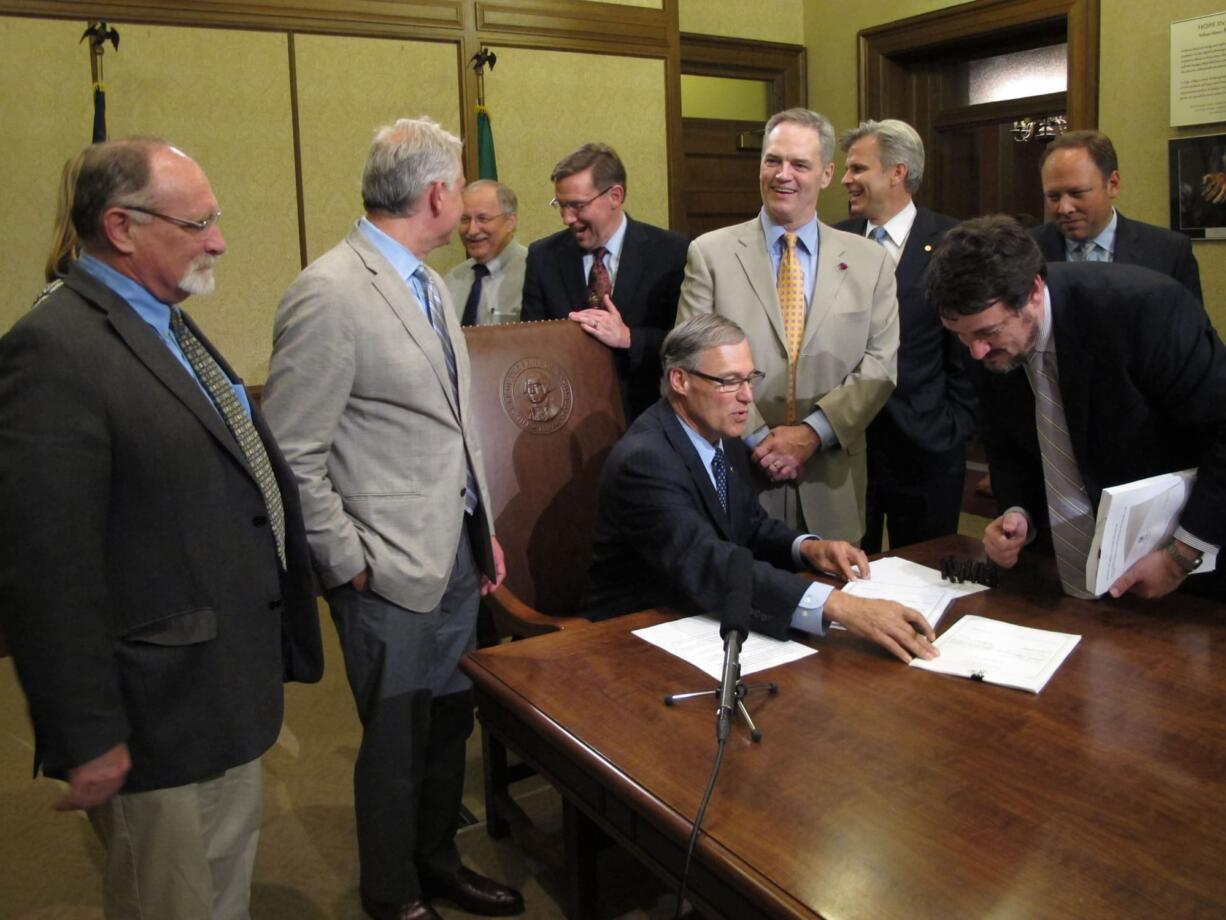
155, 582
615, 276
1103, 375
917, 443
677, 500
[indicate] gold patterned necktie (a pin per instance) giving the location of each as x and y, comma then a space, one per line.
221, 392
791, 288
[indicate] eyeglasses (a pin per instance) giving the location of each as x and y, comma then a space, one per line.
729, 384
196, 226
481, 219
576, 207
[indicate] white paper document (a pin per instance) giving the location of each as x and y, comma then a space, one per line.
1000, 653
1133, 519
929, 600
898, 571
697, 641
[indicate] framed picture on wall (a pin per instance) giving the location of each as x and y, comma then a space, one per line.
1198, 186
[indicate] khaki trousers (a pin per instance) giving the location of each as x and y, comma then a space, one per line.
184, 853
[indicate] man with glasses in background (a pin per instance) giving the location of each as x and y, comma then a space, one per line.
677, 500
616, 277
488, 286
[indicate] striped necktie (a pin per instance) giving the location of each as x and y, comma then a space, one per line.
221, 391
1068, 503
790, 286
438, 322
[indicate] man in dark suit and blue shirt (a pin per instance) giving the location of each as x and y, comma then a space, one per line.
1103, 375
154, 576
676, 499
615, 276
1081, 179
916, 444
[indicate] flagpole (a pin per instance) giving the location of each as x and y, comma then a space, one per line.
487, 165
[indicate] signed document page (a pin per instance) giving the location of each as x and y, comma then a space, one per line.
1000, 653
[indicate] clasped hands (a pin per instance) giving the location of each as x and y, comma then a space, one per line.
1153, 575
781, 455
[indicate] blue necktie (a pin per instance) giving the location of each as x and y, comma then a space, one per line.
720, 468
434, 310
877, 235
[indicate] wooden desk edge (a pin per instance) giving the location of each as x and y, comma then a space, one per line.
670, 824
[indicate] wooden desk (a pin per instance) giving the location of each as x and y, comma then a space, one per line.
881, 791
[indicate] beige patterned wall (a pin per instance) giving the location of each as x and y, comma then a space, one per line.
761, 20
221, 95
540, 112
348, 87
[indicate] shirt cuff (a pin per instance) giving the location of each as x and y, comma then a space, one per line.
798, 561
1208, 559
818, 422
1030, 531
808, 615
755, 437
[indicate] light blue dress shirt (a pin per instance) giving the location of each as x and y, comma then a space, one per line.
405, 262
1104, 243
156, 314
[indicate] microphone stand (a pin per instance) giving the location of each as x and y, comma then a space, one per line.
731, 692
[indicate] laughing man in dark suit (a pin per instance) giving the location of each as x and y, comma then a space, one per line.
677, 498
1081, 179
628, 297
916, 444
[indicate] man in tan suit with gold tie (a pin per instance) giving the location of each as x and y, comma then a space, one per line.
820, 310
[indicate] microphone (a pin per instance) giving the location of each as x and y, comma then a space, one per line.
734, 628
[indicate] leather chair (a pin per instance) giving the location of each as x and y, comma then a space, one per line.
546, 401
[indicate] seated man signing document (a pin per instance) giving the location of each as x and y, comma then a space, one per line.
676, 498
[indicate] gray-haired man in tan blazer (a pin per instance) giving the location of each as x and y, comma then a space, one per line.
368, 396
809, 414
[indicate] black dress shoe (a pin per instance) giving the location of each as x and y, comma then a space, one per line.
414, 910
475, 893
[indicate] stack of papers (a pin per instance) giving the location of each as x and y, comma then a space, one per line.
697, 641
913, 585
1000, 653
1134, 519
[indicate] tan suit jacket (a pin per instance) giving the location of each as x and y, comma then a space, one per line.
848, 360
360, 401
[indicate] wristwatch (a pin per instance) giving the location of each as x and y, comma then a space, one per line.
1189, 565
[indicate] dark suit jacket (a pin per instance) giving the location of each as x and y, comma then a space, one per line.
663, 540
933, 405
1143, 381
1136, 243
139, 582
646, 290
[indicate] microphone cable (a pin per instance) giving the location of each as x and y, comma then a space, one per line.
702, 810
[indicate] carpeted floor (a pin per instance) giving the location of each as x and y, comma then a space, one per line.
307, 863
